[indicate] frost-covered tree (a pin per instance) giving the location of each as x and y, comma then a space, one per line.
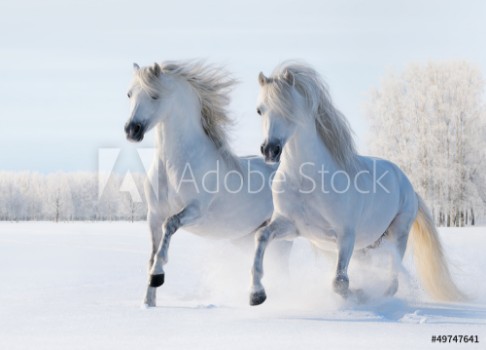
431, 120
58, 194
85, 195
68, 196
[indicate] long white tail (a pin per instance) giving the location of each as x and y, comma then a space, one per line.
429, 258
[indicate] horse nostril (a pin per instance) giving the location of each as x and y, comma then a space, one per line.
137, 128
276, 151
262, 149
126, 127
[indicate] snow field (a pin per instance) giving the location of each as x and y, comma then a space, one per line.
80, 285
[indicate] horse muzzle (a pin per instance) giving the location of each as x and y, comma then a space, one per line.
134, 131
271, 151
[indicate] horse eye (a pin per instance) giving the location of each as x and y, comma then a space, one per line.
259, 111
155, 97
129, 95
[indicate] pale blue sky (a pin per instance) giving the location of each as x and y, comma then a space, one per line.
65, 65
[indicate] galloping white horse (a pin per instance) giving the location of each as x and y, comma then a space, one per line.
195, 181
326, 192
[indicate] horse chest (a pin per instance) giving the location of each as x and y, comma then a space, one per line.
174, 194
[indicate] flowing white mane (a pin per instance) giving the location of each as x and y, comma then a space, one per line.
212, 85
331, 124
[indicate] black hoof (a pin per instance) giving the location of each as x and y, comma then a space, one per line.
156, 280
257, 298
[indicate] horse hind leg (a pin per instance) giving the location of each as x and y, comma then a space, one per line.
397, 233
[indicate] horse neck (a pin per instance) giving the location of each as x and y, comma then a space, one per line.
306, 145
181, 135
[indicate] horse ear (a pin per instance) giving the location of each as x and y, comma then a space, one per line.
156, 70
136, 66
262, 79
289, 77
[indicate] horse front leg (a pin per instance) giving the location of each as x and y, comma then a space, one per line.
185, 217
155, 224
277, 229
345, 250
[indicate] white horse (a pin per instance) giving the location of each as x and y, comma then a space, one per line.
324, 191
195, 182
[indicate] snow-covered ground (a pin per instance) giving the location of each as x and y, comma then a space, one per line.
80, 286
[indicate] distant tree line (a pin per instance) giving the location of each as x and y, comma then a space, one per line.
68, 197
431, 121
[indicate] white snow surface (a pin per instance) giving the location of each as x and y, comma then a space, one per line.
80, 286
